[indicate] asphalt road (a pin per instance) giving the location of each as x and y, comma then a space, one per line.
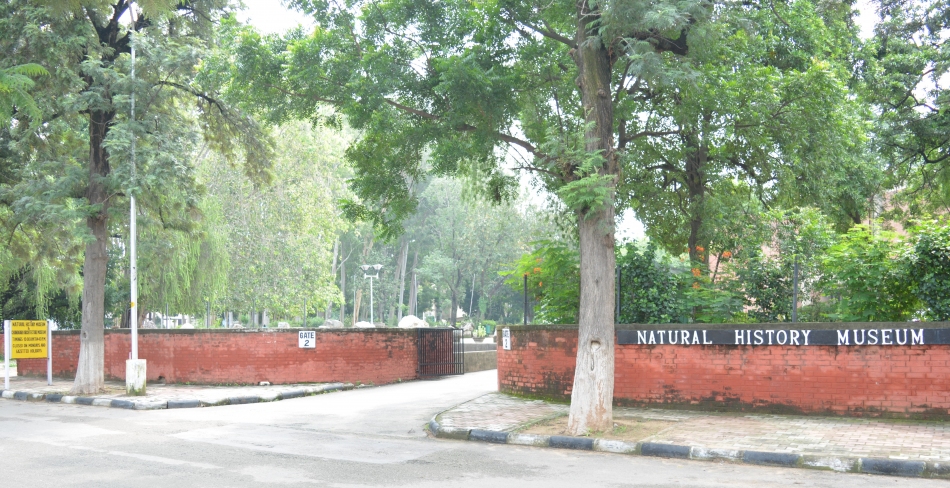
367, 437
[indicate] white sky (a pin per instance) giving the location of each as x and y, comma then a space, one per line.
271, 17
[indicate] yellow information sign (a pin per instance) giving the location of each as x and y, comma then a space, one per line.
28, 339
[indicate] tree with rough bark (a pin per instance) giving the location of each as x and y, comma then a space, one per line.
82, 148
904, 66
748, 115
462, 88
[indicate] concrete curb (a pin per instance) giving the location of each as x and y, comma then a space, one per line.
844, 464
147, 404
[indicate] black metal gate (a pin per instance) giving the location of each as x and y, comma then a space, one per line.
441, 352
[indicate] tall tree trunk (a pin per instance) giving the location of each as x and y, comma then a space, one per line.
696, 194
90, 370
592, 395
343, 288
333, 270
403, 257
413, 287
453, 313
356, 306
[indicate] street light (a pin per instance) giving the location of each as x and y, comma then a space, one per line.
366, 268
135, 372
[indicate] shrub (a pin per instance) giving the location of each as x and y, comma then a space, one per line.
870, 273
930, 267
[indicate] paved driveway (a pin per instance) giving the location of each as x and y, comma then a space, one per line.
365, 437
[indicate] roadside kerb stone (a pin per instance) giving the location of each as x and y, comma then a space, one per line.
183, 403
217, 402
151, 403
241, 400
529, 440
893, 467
25, 396
269, 397
840, 464
466, 431
772, 458
451, 433
488, 436
568, 442
616, 447
664, 450
284, 395
704, 454
126, 404
938, 470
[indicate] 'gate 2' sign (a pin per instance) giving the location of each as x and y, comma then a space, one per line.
787, 337
307, 339
28, 339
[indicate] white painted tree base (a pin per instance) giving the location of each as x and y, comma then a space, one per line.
135, 377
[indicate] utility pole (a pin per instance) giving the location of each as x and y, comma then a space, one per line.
135, 372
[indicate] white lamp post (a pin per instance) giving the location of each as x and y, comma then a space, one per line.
134, 368
366, 268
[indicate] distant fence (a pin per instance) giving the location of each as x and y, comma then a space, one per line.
899, 369
246, 356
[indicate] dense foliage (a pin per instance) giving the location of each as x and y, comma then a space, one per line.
930, 267
650, 286
868, 274
767, 148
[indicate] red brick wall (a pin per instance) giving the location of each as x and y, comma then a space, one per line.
850, 380
247, 356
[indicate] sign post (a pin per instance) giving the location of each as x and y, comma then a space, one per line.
49, 352
6, 354
27, 339
506, 339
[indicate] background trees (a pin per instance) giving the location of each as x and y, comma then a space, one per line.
741, 133
904, 67
746, 114
73, 170
279, 238
450, 88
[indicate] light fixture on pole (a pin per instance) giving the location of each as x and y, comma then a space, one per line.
366, 268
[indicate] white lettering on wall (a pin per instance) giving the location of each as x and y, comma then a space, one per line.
842, 337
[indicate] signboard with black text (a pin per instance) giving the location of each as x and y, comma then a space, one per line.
307, 339
786, 337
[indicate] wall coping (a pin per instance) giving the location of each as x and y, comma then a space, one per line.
756, 326
270, 330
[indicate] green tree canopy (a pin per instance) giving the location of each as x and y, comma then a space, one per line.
459, 88
74, 169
